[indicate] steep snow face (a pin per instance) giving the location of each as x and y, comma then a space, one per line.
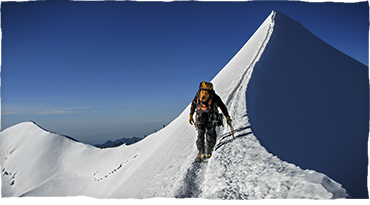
38, 163
309, 104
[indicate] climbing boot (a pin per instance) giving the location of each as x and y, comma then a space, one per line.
201, 157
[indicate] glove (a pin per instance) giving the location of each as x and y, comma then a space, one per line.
228, 120
191, 120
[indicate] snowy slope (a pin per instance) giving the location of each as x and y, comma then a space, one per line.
320, 97
35, 162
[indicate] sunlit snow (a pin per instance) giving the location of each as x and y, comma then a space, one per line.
35, 162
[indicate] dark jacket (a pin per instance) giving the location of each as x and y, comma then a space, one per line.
215, 100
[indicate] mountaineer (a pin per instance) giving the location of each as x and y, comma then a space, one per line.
206, 103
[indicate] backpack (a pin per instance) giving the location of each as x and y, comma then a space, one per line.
205, 95
207, 110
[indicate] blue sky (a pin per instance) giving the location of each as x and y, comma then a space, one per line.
106, 70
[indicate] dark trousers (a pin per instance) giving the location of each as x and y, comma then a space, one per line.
210, 131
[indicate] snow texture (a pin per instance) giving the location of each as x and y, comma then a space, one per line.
35, 162
314, 100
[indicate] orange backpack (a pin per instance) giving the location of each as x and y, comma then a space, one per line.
204, 100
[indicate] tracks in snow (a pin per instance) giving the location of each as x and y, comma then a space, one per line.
192, 185
193, 182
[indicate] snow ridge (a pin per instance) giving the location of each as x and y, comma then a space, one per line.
162, 164
240, 167
249, 69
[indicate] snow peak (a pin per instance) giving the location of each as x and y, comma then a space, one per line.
204, 100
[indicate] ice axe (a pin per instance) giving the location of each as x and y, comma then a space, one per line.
232, 130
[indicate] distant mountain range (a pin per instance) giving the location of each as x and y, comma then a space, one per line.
119, 142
